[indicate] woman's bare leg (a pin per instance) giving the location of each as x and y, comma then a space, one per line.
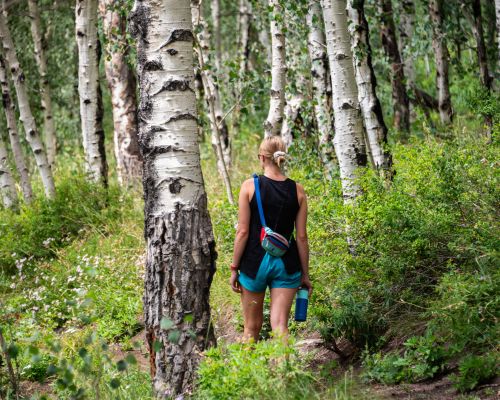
253, 304
281, 304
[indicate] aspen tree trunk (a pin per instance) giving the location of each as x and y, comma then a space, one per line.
217, 34
49, 129
272, 126
406, 29
15, 144
122, 85
32, 135
497, 13
291, 114
477, 30
376, 130
316, 44
180, 258
243, 45
7, 184
212, 97
400, 100
89, 89
349, 139
441, 56
490, 35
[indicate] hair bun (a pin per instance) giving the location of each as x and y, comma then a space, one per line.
277, 154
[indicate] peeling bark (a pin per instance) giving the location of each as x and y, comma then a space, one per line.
376, 130
15, 144
89, 89
400, 100
180, 258
49, 129
32, 135
7, 184
220, 132
122, 85
274, 121
316, 44
441, 55
349, 139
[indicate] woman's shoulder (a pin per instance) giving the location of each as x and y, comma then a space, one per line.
300, 187
247, 183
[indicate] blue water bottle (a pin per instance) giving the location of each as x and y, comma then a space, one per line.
301, 304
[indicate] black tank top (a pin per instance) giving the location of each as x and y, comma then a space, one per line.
280, 204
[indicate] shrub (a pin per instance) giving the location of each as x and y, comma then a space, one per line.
423, 358
437, 219
39, 229
474, 370
263, 370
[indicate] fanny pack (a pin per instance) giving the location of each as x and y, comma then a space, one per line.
272, 242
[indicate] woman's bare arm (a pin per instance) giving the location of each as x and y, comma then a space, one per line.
301, 230
242, 231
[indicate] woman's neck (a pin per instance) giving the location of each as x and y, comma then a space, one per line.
273, 172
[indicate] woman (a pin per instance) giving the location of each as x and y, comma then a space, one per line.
285, 207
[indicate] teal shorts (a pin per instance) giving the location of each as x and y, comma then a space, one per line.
271, 273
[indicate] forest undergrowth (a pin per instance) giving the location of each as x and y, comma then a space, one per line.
417, 301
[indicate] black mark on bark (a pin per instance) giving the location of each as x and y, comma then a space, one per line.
173, 85
153, 65
175, 186
179, 35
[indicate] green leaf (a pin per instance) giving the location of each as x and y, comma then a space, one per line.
131, 359
121, 365
174, 336
13, 351
166, 323
157, 346
83, 352
114, 383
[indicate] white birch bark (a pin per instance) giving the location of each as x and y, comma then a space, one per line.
15, 144
243, 45
291, 114
89, 90
349, 140
212, 97
376, 130
441, 56
272, 126
320, 84
49, 130
180, 258
32, 135
122, 85
7, 184
215, 8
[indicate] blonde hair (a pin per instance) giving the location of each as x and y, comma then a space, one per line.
274, 148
